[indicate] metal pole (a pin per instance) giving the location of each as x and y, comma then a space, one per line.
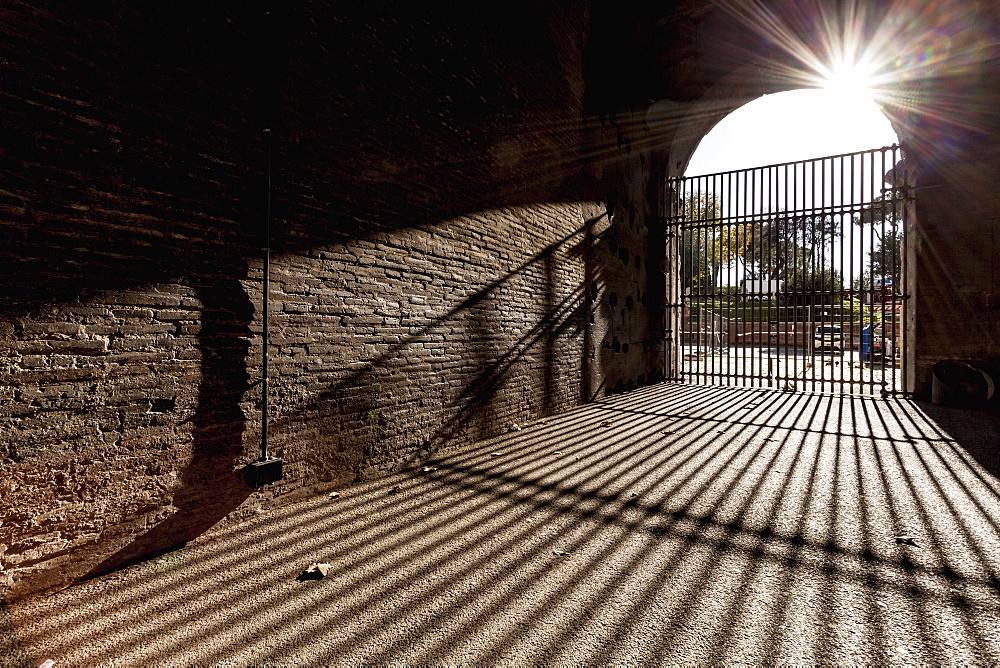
265, 306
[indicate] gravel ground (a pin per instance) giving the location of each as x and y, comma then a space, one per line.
674, 524
791, 369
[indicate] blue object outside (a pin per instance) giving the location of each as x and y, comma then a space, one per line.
866, 343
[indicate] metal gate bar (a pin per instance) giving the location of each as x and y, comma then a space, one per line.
791, 276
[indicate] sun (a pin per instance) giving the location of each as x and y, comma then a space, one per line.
849, 79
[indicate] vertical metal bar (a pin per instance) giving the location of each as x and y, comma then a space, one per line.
886, 372
687, 310
675, 299
266, 308
716, 278
809, 224
678, 295
670, 268
755, 351
856, 320
860, 320
844, 231
899, 234
904, 278
807, 262
777, 309
746, 365
710, 242
698, 287
755, 240
829, 264
757, 213
694, 310
701, 235
664, 212
733, 328
746, 360
816, 283
705, 232
773, 253
718, 319
756, 220
871, 278
894, 268
799, 262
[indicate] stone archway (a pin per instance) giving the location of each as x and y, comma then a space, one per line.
701, 63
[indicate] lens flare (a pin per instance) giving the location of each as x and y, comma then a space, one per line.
910, 57
851, 79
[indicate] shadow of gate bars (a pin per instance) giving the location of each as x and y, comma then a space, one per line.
791, 276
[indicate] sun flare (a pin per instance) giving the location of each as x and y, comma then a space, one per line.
849, 79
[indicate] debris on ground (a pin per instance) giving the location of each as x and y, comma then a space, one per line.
560, 553
907, 540
557, 452
335, 495
495, 454
515, 427
607, 423
396, 490
666, 431
315, 571
428, 469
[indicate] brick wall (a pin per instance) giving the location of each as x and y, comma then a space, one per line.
441, 266
417, 339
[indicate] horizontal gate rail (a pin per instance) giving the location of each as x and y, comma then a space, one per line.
791, 275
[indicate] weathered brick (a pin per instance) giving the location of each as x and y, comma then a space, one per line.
392, 306
44, 329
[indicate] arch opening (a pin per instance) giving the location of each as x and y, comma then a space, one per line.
790, 246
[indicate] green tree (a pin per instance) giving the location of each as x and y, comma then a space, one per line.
814, 286
884, 219
707, 243
787, 248
885, 261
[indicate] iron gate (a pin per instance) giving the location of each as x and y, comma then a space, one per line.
791, 276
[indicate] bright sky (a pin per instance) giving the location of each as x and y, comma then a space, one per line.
796, 125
